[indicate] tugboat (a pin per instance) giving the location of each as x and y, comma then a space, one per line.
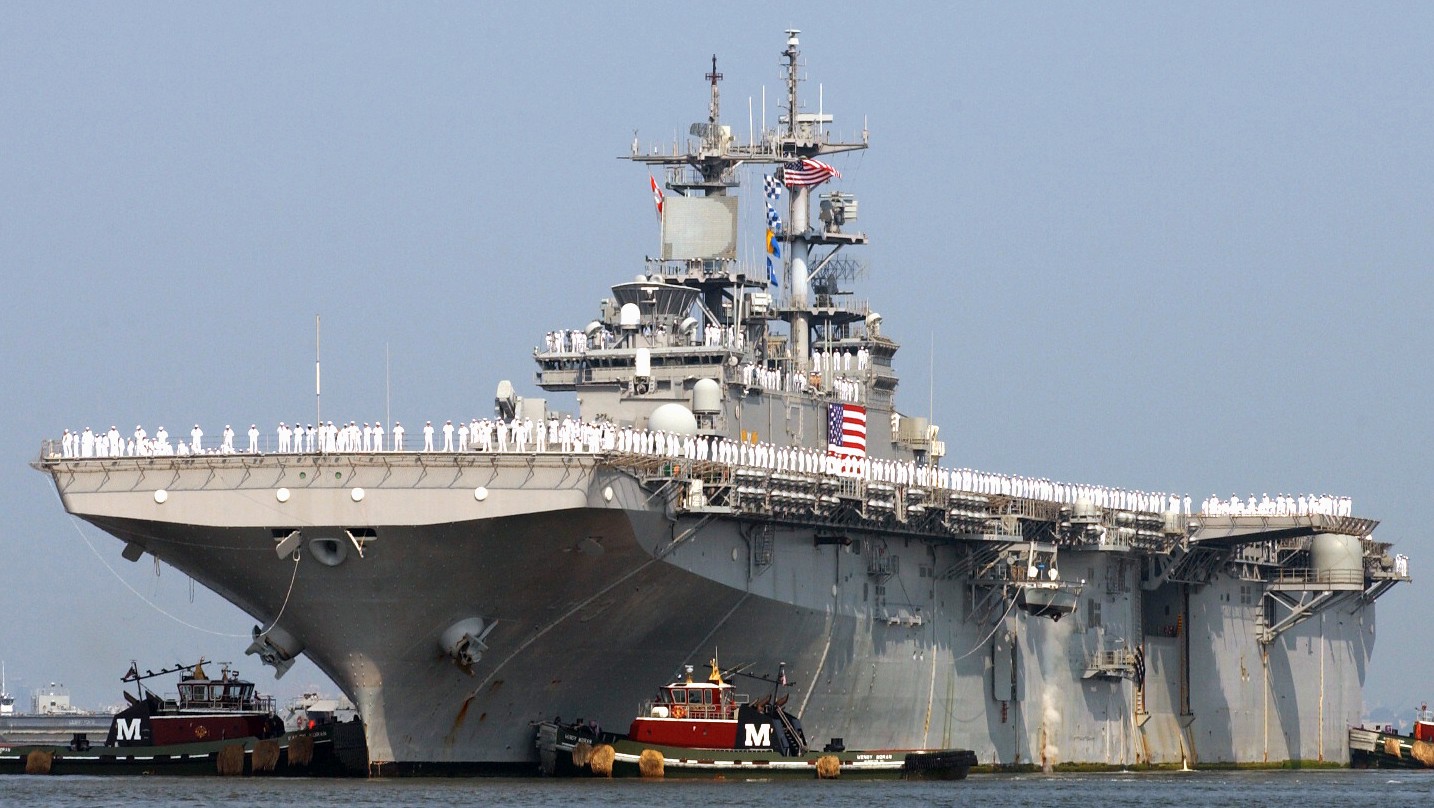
216, 725
708, 729
1385, 748
206, 710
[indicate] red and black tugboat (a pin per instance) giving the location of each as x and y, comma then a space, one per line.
1387, 748
206, 710
215, 725
709, 729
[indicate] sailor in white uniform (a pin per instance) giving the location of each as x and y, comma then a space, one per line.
428, 436
397, 436
196, 435
448, 436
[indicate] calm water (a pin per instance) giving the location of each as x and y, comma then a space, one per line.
1305, 789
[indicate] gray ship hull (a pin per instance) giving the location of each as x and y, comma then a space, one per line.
593, 588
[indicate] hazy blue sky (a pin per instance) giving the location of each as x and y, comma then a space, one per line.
1157, 245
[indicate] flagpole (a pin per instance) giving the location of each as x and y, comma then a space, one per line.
318, 409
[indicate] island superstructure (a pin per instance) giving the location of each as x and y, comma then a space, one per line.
737, 475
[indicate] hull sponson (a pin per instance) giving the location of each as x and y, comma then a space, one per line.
595, 604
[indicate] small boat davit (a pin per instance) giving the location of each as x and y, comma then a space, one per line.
1042, 592
708, 729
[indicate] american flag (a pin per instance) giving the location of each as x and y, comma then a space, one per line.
807, 172
846, 430
656, 194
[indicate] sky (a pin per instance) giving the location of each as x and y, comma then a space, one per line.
1179, 247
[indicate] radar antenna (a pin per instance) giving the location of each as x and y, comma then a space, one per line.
714, 111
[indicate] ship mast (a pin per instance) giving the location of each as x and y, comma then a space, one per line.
710, 169
798, 216
805, 137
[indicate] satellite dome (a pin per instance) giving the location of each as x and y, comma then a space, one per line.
673, 418
707, 396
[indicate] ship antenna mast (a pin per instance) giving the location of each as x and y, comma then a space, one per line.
713, 112
791, 54
799, 304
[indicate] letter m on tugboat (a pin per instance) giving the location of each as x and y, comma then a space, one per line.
757, 735
128, 730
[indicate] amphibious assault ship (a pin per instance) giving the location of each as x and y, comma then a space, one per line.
737, 475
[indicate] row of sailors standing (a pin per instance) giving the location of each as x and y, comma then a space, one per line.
721, 336
571, 435
111, 443
846, 389
1011, 485
1279, 505
895, 472
836, 361
777, 378
576, 341
771, 378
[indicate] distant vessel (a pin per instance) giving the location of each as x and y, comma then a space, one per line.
738, 474
7, 701
51, 718
313, 709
